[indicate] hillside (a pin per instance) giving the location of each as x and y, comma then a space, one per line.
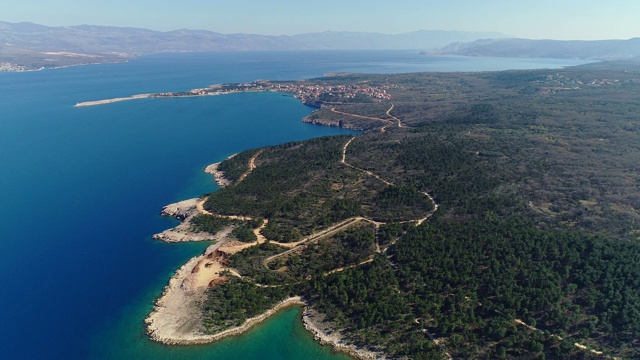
25, 46
494, 215
558, 49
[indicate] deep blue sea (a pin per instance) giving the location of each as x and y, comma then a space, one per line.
81, 190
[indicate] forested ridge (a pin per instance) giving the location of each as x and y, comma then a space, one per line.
533, 252
302, 187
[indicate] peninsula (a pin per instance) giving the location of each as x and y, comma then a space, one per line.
483, 215
309, 94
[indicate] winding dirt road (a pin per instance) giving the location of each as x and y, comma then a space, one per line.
393, 117
359, 116
395, 120
252, 165
417, 221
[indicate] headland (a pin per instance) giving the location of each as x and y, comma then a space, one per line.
498, 271
177, 318
309, 94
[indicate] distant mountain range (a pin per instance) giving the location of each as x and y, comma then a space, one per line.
33, 46
28, 46
595, 49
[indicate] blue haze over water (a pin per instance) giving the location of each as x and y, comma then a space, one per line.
81, 190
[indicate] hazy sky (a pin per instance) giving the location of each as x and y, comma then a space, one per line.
535, 19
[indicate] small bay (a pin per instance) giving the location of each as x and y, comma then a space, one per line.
82, 188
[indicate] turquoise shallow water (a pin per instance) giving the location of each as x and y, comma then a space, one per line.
280, 337
81, 190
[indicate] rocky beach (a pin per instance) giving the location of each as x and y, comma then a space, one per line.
323, 332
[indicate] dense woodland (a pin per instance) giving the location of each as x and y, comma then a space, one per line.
236, 166
208, 223
302, 187
535, 245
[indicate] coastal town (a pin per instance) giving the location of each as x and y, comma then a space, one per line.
309, 94
6, 66
314, 95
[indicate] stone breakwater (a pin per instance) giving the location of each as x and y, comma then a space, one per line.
114, 100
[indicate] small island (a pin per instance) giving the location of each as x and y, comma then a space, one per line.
485, 215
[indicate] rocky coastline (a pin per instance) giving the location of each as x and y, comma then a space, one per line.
185, 210
314, 120
218, 175
176, 315
176, 318
325, 334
